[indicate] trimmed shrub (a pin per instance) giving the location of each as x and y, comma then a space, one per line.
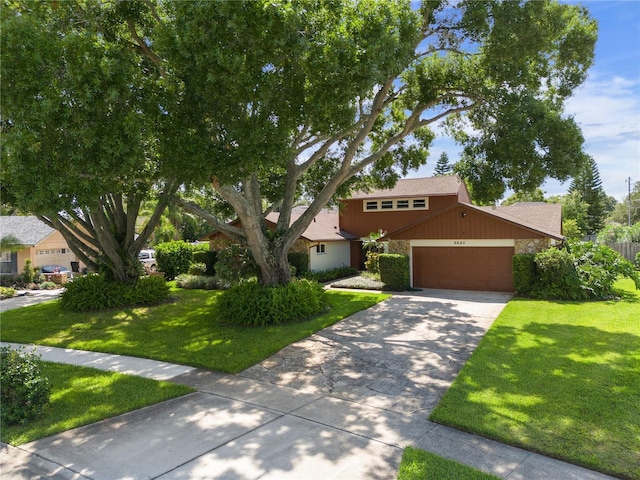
524, 273
28, 272
209, 259
25, 391
394, 271
258, 305
299, 261
324, 276
48, 286
557, 276
196, 282
96, 292
7, 292
174, 258
197, 268
235, 265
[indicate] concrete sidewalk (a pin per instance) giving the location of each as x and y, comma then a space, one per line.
326, 407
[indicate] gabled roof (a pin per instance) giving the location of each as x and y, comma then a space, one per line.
545, 216
28, 230
415, 187
540, 217
324, 227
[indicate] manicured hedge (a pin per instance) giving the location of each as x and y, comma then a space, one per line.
394, 271
209, 259
524, 273
174, 258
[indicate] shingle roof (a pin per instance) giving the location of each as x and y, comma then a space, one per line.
324, 227
544, 216
414, 187
28, 230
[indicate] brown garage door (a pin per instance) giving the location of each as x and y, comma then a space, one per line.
463, 268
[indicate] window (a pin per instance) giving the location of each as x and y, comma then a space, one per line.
399, 204
320, 248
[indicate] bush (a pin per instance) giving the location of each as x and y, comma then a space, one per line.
196, 282
599, 266
25, 391
7, 292
48, 286
235, 265
299, 261
524, 273
372, 263
97, 292
197, 268
324, 276
209, 259
174, 258
557, 276
638, 260
28, 272
257, 305
394, 271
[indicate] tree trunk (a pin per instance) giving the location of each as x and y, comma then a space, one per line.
271, 260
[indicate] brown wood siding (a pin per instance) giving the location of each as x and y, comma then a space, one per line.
357, 256
473, 225
357, 222
463, 268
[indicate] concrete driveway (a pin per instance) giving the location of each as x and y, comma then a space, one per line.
400, 355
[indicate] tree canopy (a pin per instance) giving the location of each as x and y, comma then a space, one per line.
268, 102
78, 129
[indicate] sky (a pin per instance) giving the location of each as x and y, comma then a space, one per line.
606, 106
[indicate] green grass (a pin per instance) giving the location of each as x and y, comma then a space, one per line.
420, 465
186, 331
560, 378
80, 396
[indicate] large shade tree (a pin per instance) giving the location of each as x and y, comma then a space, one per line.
79, 111
270, 101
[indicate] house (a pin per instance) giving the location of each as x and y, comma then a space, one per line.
39, 242
451, 243
327, 245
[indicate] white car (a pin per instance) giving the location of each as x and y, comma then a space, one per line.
148, 259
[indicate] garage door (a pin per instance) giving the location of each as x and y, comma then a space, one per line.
463, 268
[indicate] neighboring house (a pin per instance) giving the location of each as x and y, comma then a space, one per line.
40, 243
451, 243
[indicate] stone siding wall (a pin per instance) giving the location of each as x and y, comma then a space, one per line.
399, 246
534, 245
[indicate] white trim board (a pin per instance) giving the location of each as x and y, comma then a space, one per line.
464, 242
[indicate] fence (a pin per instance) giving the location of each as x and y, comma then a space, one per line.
627, 250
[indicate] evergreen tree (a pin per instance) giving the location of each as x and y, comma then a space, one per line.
443, 167
589, 186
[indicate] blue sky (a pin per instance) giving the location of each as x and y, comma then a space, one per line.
606, 106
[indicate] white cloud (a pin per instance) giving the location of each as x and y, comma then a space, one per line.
608, 111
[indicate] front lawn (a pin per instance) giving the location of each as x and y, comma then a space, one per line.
560, 378
420, 465
80, 396
186, 331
